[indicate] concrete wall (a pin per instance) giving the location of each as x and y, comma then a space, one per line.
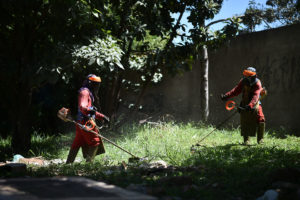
276, 56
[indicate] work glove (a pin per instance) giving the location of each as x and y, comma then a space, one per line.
224, 97
92, 110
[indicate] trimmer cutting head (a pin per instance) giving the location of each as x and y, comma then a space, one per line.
64, 114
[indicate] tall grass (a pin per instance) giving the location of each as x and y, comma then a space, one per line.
172, 143
46, 146
220, 167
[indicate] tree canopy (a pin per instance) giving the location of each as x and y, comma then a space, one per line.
128, 43
274, 13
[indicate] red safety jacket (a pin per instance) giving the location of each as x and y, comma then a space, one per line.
85, 102
251, 96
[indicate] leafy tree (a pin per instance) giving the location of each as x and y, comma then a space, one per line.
213, 40
46, 41
131, 22
36, 37
275, 13
132, 27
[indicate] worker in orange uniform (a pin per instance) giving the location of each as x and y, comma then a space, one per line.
90, 143
252, 117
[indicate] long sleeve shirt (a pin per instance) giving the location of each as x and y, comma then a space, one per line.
253, 92
85, 103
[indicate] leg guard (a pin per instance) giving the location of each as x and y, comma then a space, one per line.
92, 150
248, 123
85, 151
72, 155
261, 132
101, 148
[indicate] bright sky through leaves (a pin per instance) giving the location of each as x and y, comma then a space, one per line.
229, 8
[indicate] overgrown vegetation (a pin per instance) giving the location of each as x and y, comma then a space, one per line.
130, 44
273, 14
220, 168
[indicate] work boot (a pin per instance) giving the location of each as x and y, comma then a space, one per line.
92, 150
261, 132
246, 140
72, 155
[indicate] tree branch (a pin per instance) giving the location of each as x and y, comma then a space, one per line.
173, 32
149, 78
217, 21
222, 20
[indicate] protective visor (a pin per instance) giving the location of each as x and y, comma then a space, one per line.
248, 73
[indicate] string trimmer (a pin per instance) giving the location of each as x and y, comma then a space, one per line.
230, 105
64, 114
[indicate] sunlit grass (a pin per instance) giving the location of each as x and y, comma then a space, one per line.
172, 143
220, 159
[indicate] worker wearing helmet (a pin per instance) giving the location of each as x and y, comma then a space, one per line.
90, 143
252, 117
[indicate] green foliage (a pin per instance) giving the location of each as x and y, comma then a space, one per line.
47, 28
284, 11
5, 149
43, 145
150, 43
274, 13
35, 38
199, 12
49, 147
100, 52
144, 55
128, 43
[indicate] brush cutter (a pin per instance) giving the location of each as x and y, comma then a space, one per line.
230, 105
64, 114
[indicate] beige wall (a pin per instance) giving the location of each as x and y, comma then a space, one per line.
276, 56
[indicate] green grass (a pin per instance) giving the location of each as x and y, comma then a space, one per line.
49, 147
220, 168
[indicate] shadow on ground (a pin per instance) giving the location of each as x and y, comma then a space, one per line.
245, 171
231, 171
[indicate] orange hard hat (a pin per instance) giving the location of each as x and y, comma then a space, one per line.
94, 78
250, 71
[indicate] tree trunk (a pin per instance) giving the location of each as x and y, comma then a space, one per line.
204, 92
21, 136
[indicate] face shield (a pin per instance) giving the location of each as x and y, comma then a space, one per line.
95, 87
94, 83
249, 76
